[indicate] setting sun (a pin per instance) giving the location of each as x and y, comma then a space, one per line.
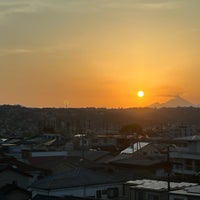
96, 60
140, 93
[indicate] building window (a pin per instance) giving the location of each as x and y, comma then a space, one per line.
141, 195
98, 194
104, 192
153, 197
188, 164
197, 165
112, 193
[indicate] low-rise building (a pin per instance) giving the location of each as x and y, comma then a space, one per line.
189, 193
185, 158
79, 182
152, 189
14, 192
15, 171
9, 175
147, 160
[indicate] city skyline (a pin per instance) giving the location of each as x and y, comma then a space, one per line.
88, 53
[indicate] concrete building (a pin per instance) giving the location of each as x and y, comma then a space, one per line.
152, 189
79, 182
186, 156
189, 193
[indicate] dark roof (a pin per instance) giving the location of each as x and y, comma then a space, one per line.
62, 164
92, 155
18, 165
45, 162
45, 197
13, 141
2, 197
11, 168
189, 138
138, 161
8, 188
74, 178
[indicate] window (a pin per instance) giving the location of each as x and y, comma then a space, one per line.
104, 192
193, 198
98, 194
153, 197
188, 164
112, 192
140, 195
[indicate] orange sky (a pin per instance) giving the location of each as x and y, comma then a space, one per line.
98, 53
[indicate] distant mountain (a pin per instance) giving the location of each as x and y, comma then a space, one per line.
174, 102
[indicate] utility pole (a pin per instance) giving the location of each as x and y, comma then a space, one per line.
168, 170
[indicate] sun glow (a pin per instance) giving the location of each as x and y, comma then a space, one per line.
140, 94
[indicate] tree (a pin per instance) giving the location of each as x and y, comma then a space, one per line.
133, 129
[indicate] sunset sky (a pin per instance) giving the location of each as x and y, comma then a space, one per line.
85, 53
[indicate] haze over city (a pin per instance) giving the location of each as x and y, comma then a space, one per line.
100, 53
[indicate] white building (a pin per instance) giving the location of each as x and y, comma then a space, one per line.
186, 156
189, 193
152, 189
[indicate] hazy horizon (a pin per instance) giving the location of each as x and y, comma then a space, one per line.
98, 53
158, 105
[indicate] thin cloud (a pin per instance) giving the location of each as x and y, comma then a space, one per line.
157, 6
7, 9
7, 52
171, 94
30, 6
42, 49
168, 95
22, 6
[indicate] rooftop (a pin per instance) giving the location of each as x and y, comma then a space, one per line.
189, 138
74, 178
189, 191
157, 185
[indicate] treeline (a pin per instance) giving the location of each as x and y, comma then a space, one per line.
19, 120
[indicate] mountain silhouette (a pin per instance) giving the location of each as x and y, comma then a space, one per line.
174, 102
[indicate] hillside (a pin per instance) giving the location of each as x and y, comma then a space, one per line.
173, 103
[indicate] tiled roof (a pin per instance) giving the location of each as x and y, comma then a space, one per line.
8, 188
74, 178
89, 154
11, 161
11, 168
188, 138
188, 191
147, 184
45, 197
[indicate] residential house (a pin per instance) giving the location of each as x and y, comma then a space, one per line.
148, 149
9, 175
79, 182
185, 158
15, 171
145, 159
152, 189
188, 193
47, 197
14, 192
